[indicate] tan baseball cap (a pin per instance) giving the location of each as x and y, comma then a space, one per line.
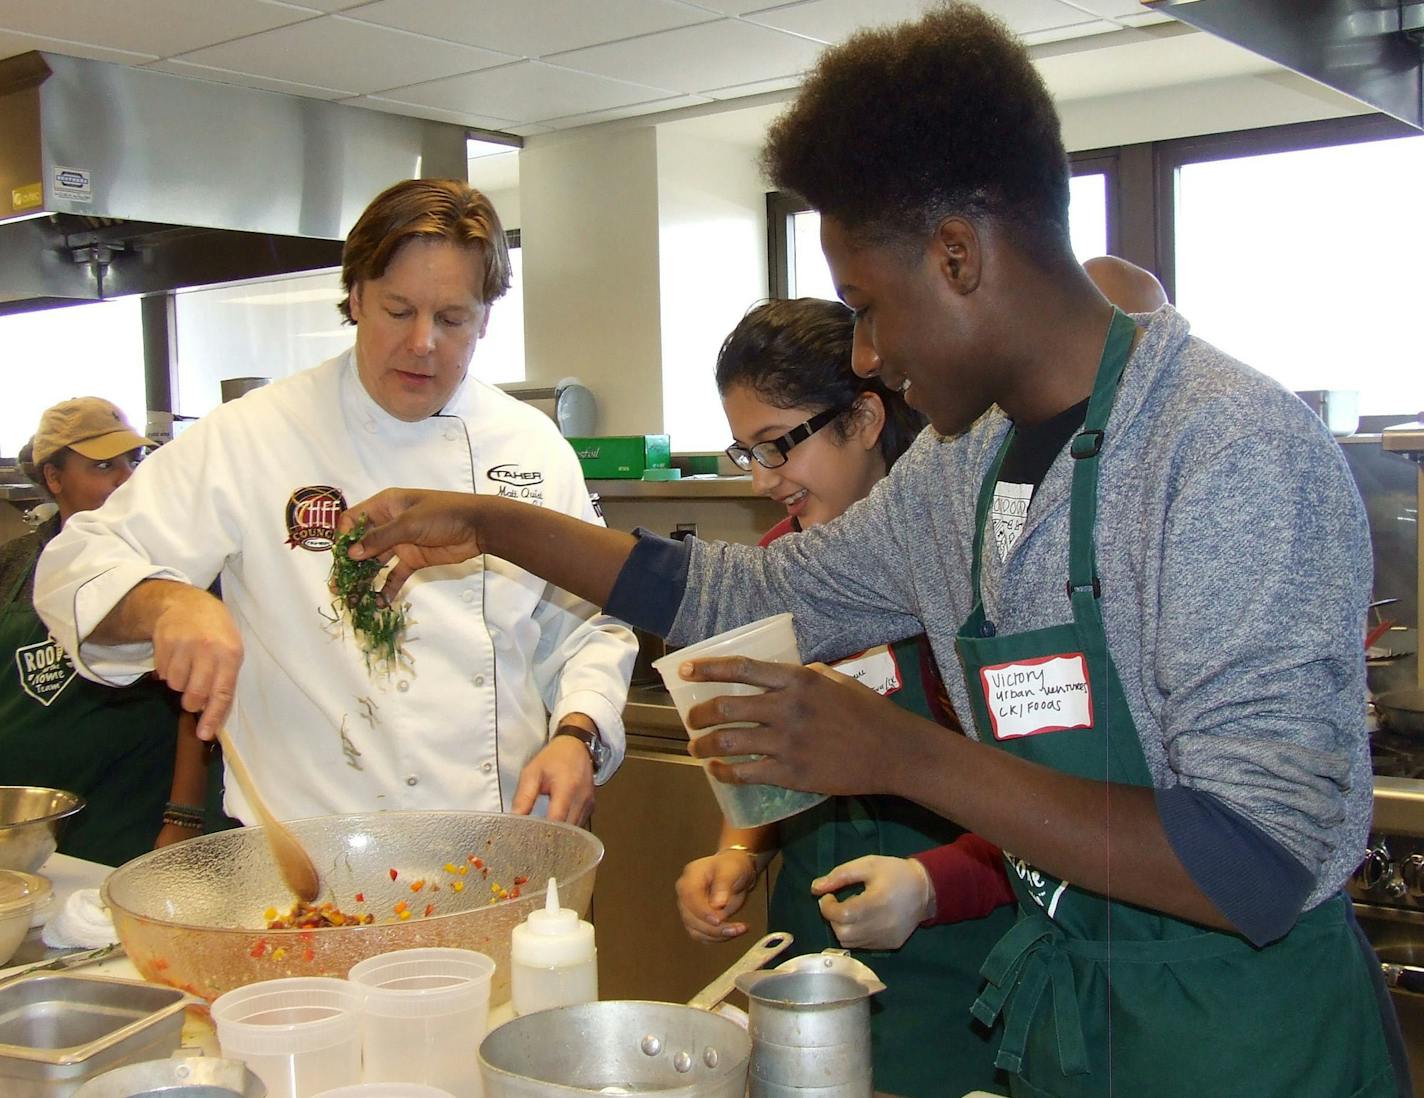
90, 426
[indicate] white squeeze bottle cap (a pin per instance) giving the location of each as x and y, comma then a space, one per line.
552, 938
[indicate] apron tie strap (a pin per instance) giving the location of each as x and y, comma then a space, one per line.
1025, 961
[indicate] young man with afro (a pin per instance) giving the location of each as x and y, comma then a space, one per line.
1142, 566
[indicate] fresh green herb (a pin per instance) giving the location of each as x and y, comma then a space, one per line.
378, 625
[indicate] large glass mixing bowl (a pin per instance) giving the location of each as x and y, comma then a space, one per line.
191, 915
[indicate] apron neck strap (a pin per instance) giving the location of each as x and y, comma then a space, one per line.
1083, 587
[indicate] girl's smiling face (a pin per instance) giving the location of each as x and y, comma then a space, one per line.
824, 474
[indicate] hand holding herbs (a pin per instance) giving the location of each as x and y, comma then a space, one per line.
378, 626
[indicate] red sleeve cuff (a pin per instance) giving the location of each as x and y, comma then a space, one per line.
968, 878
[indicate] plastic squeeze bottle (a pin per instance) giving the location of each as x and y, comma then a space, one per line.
552, 958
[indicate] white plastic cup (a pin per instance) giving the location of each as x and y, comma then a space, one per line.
772, 640
423, 1015
386, 1090
299, 1036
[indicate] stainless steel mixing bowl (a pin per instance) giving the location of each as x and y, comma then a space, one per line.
191, 914
32, 820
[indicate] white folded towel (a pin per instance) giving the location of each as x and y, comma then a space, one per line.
83, 921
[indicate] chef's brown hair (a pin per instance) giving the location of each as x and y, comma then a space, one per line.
426, 209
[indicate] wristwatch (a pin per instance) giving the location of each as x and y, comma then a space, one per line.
597, 749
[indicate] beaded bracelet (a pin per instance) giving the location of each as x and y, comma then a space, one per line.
186, 822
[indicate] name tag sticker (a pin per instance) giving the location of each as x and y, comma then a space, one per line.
875, 668
1030, 697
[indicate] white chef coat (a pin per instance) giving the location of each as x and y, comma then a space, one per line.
488, 646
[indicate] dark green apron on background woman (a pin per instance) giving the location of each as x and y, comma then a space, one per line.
114, 747
924, 1043
1099, 997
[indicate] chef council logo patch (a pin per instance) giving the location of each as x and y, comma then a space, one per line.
45, 669
311, 517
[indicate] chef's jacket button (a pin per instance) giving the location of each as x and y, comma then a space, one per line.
451, 435
468, 594
487, 767
479, 680
412, 779
370, 426
403, 686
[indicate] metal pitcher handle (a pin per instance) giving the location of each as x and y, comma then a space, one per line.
772, 945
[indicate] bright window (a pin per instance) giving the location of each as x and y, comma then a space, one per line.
76, 350
1087, 225
1305, 264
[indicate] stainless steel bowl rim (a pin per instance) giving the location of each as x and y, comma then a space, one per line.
304, 932
77, 804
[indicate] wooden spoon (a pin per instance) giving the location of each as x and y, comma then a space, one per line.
293, 862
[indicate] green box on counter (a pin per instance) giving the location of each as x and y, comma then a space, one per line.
621, 457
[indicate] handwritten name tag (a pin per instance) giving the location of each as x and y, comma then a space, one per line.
875, 668
1029, 697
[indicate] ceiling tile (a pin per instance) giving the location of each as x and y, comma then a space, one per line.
692, 59
435, 114
12, 43
532, 28
530, 129
836, 20
529, 91
656, 106
336, 52
743, 7
1027, 16
158, 28
327, 6
1077, 30
1145, 19
245, 80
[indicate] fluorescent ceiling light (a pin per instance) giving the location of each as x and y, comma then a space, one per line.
476, 147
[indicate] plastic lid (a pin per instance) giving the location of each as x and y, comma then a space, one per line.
19, 891
662, 474
553, 919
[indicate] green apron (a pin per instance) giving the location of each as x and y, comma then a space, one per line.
114, 747
1099, 997
924, 1043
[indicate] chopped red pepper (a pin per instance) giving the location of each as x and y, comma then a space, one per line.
259, 948
416, 886
521, 880
428, 909
394, 874
360, 897
308, 954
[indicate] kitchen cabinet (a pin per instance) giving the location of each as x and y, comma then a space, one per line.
655, 815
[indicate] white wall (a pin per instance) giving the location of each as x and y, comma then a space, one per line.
712, 253
589, 229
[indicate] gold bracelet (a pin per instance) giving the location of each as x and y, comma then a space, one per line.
760, 858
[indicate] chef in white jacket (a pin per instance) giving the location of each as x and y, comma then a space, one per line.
505, 691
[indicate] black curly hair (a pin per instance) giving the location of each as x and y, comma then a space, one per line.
796, 354
903, 126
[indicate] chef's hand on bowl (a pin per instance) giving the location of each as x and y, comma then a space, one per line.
564, 772
416, 528
713, 889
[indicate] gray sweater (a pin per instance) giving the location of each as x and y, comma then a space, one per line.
1235, 565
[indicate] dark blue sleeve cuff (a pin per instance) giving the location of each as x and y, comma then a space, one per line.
1249, 876
650, 586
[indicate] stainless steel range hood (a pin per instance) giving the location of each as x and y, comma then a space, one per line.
117, 180
1368, 49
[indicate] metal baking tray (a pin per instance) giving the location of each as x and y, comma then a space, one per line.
58, 1030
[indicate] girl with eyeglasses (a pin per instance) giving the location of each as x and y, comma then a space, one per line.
816, 438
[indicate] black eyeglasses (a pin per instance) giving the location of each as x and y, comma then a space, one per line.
773, 453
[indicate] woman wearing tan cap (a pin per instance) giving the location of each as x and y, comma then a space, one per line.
115, 748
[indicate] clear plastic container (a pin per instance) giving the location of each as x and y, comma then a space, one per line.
552, 957
423, 1016
300, 1035
772, 640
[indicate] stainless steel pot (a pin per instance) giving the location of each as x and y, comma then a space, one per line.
627, 1047
1402, 710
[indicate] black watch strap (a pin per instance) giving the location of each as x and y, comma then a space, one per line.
597, 749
